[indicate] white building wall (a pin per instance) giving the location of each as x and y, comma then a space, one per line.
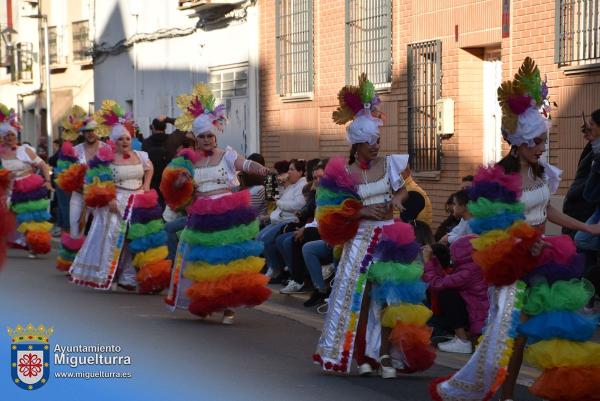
169, 67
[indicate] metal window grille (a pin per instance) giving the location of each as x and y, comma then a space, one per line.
577, 32
81, 41
424, 88
24, 58
294, 47
229, 83
369, 41
53, 45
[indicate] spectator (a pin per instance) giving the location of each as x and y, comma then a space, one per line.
155, 146
460, 200
450, 222
463, 299
255, 184
290, 202
466, 182
413, 207
273, 182
426, 214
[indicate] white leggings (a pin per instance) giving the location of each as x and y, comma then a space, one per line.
76, 206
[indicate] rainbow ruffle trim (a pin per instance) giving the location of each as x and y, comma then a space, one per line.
69, 247
29, 201
398, 285
223, 259
179, 197
70, 174
99, 189
149, 243
338, 204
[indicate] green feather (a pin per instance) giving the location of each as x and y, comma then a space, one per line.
367, 91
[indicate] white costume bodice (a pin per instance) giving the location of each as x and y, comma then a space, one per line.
130, 176
380, 191
536, 201
219, 177
21, 165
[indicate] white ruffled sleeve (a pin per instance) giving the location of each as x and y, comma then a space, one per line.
230, 157
396, 164
552, 175
22, 155
144, 159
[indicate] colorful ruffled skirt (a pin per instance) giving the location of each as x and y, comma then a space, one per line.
218, 262
383, 253
29, 201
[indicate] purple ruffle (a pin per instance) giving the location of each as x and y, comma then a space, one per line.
62, 156
144, 215
390, 251
210, 223
95, 162
552, 272
36, 194
332, 185
491, 191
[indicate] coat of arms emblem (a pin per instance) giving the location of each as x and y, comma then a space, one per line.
30, 355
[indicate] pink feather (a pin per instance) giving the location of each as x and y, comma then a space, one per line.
189, 154
399, 233
195, 108
67, 149
353, 101
146, 200
496, 174
106, 154
110, 118
519, 103
336, 170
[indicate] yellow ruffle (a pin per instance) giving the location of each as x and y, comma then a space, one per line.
42, 226
406, 313
554, 353
489, 238
150, 256
200, 271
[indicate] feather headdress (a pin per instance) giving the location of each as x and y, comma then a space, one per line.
9, 121
200, 106
524, 103
110, 115
359, 105
75, 122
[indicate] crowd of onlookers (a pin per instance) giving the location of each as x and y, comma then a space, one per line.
300, 262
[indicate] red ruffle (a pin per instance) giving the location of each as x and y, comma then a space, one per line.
580, 383
414, 342
4, 180
433, 392
176, 198
146, 200
72, 179
38, 241
99, 195
72, 244
220, 205
340, 226
399, 233
29, 183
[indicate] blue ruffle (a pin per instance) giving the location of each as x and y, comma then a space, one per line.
148, 242
39, 215
499, 221
215, 255
559, 324
390, 293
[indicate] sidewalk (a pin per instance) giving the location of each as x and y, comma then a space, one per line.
290, 306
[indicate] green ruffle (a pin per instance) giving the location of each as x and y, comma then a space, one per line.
483, 207
98, 171
66, 254
139, 230
30, 206
181, 162
569, 295
243, 232
395, 272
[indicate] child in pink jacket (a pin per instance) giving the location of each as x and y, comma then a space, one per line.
462, 294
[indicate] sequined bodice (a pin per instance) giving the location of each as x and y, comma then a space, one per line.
211, 178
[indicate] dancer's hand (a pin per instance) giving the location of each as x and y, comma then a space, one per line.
427, 253
375, 212
538, 247
112, 207
48, 186
181, 180
594, 229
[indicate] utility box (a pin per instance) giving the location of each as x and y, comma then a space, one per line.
444, 110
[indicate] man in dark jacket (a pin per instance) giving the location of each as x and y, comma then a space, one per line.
155, 146
574, 204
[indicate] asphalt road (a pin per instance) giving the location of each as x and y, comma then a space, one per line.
265, 355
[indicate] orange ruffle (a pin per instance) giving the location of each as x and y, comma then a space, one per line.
414, 342
99, 194
580, 383
38, 241
62, 264
248, 289
72, 179
154, 277
336, 223
176, 198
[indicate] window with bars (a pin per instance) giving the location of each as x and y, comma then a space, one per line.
53, 45
229, 82
424, 89
577, 32
24, 61
369, 41
294, 47
81, 41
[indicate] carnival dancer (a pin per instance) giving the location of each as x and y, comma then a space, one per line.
217, 266
7, 218
70, 171
28, 190
536, 285
375, 313
116, 182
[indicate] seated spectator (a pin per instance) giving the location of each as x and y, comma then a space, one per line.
450, 222
275, 183
413, 207
460, 200
318, 258
462, 295
426, 214
255, 185
290, 202
466, 182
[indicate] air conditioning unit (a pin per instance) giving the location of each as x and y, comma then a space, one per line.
444, 112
